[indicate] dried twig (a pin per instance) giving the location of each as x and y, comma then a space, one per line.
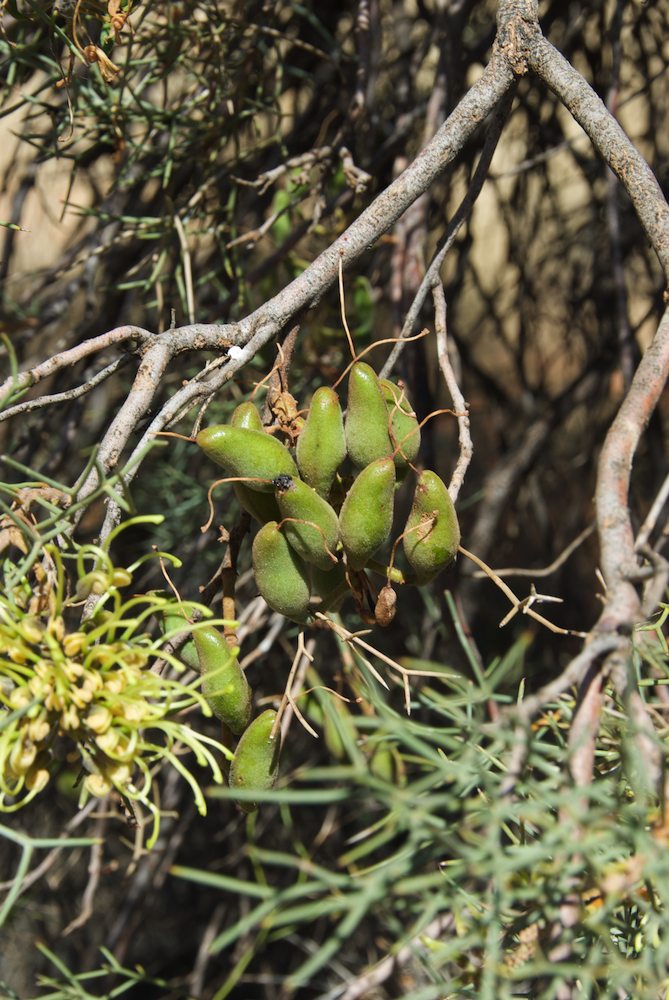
461, 408
520, 604
68, 394
544, 570
94, 871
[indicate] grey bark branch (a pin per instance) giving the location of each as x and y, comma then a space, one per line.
616, 535
28, 405
67, 359
609, 140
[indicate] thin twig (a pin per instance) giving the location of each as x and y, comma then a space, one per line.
66, 359
461, 408
94, 871
354, 639
364, 52
301, 661
197, 977
68, 394
545, 570
461, 215
524, 605
293, 690
653, 514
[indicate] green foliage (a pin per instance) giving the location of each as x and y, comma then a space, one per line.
451, 843
436, 846
73, 986
28, 846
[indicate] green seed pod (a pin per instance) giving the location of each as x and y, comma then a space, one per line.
366, 425
255, 765
224, 683
404, 428
188, 652
247, 415
249, 454
321, 446
366, 516
260, 506
280, 574
432, 532
315, 531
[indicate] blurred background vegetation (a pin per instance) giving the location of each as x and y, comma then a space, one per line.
182, 164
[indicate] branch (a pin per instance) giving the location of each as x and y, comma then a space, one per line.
461, 408
616, 536
609, 140
66, 359
138, 401
62, 397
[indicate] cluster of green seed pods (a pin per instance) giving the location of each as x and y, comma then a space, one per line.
326, 508
254, 766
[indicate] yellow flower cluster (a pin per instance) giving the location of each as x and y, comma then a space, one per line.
88, 698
